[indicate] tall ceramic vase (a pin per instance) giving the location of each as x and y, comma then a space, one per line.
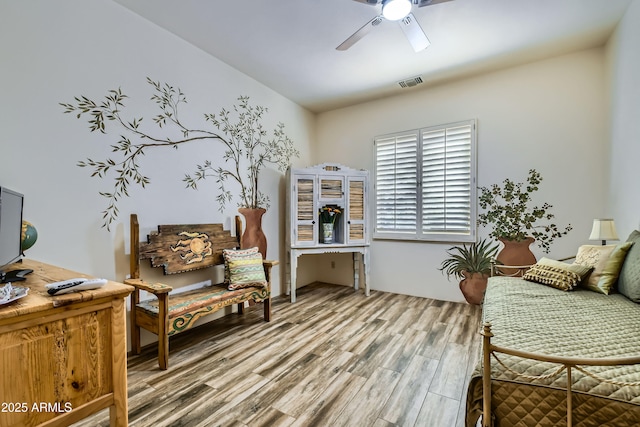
516, 253
253, 234
473, 286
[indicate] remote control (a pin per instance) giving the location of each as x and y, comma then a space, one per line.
72, 285
64, 284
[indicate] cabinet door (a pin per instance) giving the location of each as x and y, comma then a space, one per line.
356, 211
62, 364
304, 215
331, 188
332, 192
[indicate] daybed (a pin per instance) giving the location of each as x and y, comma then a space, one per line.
529, 325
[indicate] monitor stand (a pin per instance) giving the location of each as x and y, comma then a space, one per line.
14, 275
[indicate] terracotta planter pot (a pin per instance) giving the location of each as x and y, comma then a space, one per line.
253, 234
516, 253
473, 287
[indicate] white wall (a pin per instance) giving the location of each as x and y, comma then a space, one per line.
623, 54
53, 51
548, 115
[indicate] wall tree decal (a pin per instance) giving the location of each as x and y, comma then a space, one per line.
247, 146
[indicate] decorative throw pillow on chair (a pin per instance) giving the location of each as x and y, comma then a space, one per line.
243, 268
232, 254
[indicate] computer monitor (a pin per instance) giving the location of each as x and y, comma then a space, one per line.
11, 204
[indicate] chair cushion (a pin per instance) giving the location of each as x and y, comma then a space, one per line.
215, 296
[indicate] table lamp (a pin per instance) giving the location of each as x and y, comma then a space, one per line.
603, 229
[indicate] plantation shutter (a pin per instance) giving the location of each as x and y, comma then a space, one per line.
425, 184
396, 176
446, 179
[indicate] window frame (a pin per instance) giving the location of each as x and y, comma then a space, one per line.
417, 233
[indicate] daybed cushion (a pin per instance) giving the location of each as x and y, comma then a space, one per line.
606, 261
556, 274
629, 278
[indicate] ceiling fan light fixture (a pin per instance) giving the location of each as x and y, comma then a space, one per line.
395, 10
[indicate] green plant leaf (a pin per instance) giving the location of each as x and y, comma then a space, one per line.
509, 211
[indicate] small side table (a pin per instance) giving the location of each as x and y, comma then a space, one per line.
359, 252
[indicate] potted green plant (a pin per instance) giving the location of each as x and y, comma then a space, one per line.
516, 222
471, 264
246, 148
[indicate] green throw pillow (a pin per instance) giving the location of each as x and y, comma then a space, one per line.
629, 278
612, 269
606, 262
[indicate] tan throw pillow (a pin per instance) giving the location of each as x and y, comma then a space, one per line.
606, 262
556, 274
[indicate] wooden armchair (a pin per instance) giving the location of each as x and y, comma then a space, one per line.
179, 249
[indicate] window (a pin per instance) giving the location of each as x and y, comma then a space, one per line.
425, 184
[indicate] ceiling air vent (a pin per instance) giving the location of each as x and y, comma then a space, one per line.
413, 81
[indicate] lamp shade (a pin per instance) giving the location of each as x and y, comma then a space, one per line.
603, 229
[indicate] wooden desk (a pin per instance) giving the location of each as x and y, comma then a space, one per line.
62, 358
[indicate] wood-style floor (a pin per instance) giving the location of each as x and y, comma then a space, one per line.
334, 358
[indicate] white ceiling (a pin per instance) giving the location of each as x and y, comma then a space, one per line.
289, 45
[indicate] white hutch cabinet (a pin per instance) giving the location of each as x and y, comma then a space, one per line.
330, 186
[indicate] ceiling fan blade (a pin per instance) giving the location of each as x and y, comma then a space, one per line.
370, 2
422, 3
414, 33
363, 31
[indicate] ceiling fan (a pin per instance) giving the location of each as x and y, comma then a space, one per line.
395, 10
